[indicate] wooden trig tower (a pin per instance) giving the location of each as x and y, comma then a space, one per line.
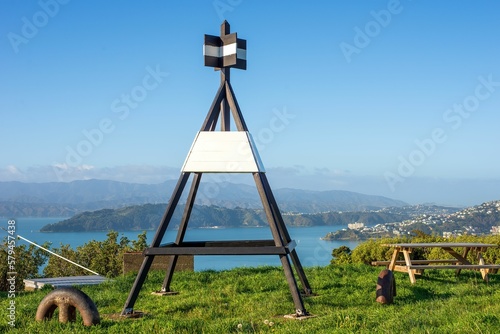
223, 151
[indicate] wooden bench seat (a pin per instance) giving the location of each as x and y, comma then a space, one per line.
402, 262
418, 266
458, 261
456, 266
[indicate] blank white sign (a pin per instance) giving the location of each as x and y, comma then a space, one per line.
223, 152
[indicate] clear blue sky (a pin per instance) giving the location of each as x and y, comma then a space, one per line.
379, 97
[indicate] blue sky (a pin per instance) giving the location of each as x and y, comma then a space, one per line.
395, 98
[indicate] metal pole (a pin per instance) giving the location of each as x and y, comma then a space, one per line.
148, 260
224, 77
48, 251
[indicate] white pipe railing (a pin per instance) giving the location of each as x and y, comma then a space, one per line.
51, 252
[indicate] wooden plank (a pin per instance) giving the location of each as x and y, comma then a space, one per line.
237, 247
221, 243
38, 283
402, 269
464, 256
394, 256
235, 108
181, 232
456, 266
411, 273
459, 257
385, 263
264, 250
157, 239
213, 112
441, 244
284, 233
225, 120
484, 272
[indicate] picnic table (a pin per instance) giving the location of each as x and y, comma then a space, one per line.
459, 261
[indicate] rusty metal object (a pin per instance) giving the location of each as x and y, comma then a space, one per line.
386, 287
68, 300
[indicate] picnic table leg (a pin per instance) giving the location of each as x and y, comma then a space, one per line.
464, 255
484, 272
392, 264
411, 273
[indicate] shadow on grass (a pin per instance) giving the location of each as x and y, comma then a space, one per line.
256, 270
441, 285
423, 293
449, 276
494, 278
329, 286
109, 320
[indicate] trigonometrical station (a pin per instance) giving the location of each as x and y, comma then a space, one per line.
223, 151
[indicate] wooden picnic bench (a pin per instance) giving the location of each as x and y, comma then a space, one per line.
459, 262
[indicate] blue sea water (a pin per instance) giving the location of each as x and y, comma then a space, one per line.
311, 249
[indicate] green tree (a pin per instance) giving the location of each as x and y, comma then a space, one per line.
59, 267
27, 261
104, 257
341, 255
141, 243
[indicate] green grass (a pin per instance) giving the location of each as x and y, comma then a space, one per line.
217, 302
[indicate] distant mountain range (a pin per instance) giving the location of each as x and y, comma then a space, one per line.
59, 199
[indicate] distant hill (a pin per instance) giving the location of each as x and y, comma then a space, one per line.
476, 220
148, 217
58, 199
88, 192
308, 201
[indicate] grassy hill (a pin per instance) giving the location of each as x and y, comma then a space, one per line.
254, 300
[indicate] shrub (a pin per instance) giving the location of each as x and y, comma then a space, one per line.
372, 249
341, 255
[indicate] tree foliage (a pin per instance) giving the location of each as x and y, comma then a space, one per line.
373, 249
27, 260
341, 255
104, 257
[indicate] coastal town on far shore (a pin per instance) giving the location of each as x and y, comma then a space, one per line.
447, 222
